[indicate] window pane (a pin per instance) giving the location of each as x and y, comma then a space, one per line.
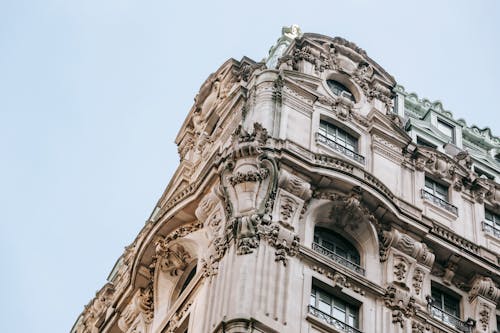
446, 129
339, 314
429, 184
488, 215
325, 307
312, 300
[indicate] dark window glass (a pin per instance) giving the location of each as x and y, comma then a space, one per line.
339, 89
436, 189
492, 218
336, 244
338, 136
446, 302
425, 143
335, 307
190, 277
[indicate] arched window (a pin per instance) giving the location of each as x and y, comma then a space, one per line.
340, 90
189, 278
337, 248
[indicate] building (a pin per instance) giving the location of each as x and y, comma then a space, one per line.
314, 194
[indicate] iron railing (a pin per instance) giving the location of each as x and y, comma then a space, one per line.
338, 259
331, 320
439, 202
341, 149
491, 228
450, 319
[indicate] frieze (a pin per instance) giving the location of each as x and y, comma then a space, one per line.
454, 238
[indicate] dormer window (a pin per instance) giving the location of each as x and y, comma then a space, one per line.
340, 90
446, 129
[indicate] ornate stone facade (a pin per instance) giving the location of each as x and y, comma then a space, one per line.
314, 195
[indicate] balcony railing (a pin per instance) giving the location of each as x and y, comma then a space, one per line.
451, 320
439, 202
341, 149
340, 325
338, 259
491, 228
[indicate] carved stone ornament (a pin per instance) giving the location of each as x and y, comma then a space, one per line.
210, 212
295, 185
401, 303
417, 327
338, 280
347, 210
342, 56
249, 185
484, 317
418, 279
141, 304
407, 245
485, 287
173, 259
400, 268
284, 241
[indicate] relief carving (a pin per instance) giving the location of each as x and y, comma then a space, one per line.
485, 287
401, 303
484, 317
141, 304
173, 259
418, 279
407, 245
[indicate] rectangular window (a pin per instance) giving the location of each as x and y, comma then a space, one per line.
437, 194
436, 189
491, 223
446, 307
338, 135
339, 140
446, 129
334, 310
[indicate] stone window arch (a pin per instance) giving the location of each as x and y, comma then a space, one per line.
340, 89
337, 247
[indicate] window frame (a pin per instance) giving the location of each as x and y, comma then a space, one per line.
338, 135
337, 305
337, 88
444, 124
444, 195
443, 314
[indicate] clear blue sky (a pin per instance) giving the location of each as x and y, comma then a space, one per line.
92, 94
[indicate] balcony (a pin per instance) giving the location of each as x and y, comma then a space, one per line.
339, 325
339, 148
338, 259
451, 320
439, 202
491, 228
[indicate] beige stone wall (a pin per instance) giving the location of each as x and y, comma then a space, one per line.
253, 183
